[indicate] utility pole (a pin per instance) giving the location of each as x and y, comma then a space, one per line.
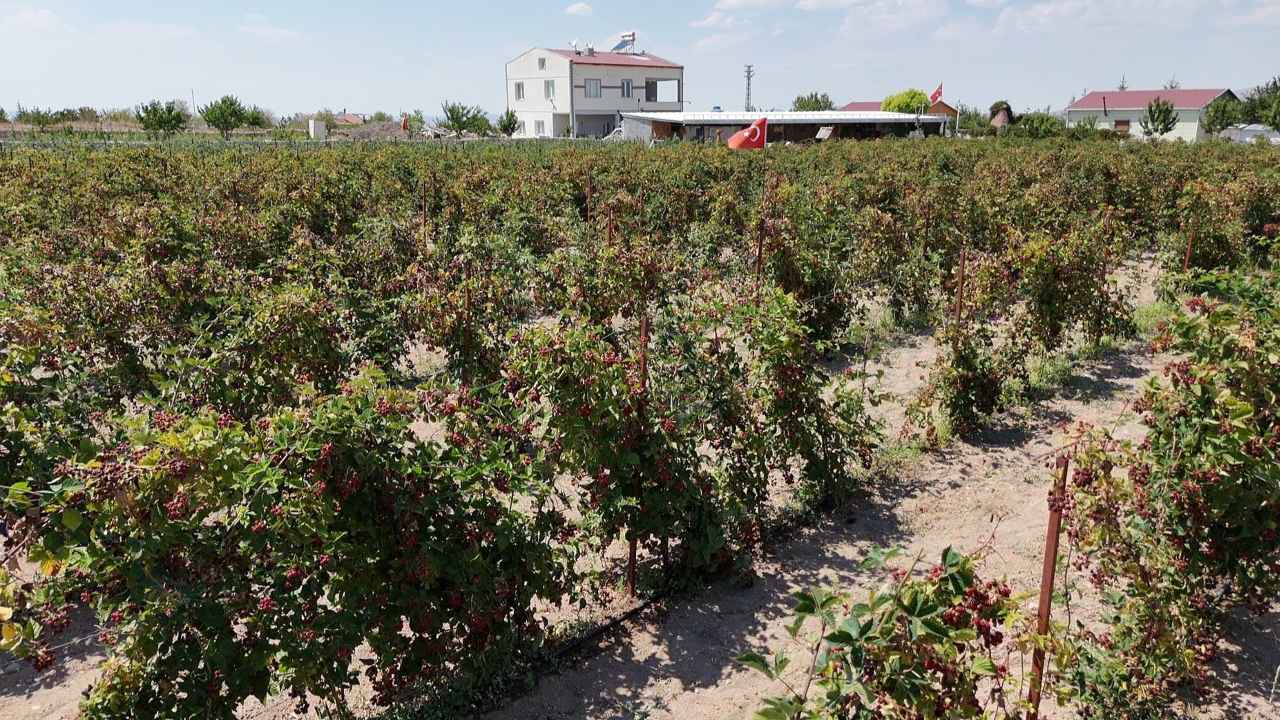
751, 72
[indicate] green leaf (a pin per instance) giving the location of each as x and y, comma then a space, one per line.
984, 666
72, 519
756, 661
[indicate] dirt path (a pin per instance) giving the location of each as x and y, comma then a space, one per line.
677, 664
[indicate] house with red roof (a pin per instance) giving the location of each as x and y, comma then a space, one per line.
583, 92
1123, 110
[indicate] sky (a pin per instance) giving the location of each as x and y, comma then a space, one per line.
396, 55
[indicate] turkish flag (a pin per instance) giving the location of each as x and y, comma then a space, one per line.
937, 94
750, 138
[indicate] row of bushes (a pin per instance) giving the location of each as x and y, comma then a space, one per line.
215, 434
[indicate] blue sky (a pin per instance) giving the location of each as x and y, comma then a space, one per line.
394, 55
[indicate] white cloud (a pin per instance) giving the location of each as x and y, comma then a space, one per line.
261, 28
578, 8
715, 19
1057, 15
1263, 12
748, 4
721, 41
148, 30
30, 20
890, 15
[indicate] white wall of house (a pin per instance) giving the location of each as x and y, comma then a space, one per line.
1188, 127
611, 79
527, 78
576, 96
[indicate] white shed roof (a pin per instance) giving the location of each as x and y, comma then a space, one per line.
831, 117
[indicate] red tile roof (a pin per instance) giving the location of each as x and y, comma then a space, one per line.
862, 106
618, 59
1139, 99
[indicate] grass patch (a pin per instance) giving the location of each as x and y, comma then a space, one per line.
1148, 318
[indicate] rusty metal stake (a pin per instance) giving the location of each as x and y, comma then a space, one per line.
1047, 578
640, 415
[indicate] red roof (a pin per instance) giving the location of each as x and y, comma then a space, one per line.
862, 106
1139, 99
619, 59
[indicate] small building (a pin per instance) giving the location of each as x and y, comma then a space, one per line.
1251, 134
863, 106
583, 93
1123, 110
942, 108
718, 127
348, 119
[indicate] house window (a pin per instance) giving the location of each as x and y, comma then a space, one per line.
549, 89
651, 91
539, 128
626, 88
1122, 127
593, 88
519, 91
520, 128
542, 63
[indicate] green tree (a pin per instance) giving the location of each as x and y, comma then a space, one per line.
463, 118
1220, 115
971, 119
257, 117
1258, 100
380, 117
224, 115
41, 118
1271, 116
162, 119
4, 117
1041, 124
328, 117
912, 100
1159, 119
508, 123
813, 102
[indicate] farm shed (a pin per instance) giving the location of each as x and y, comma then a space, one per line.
1123, 110
1251, 133
718, 127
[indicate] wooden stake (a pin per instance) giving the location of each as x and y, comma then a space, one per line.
1047, 578
1186, 261
958, 308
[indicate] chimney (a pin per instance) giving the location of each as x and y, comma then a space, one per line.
591, 51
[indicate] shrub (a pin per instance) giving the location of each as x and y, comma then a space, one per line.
913, 648
283, 545
1183, 526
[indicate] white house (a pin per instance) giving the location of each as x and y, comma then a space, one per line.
1123, 110
583, 93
